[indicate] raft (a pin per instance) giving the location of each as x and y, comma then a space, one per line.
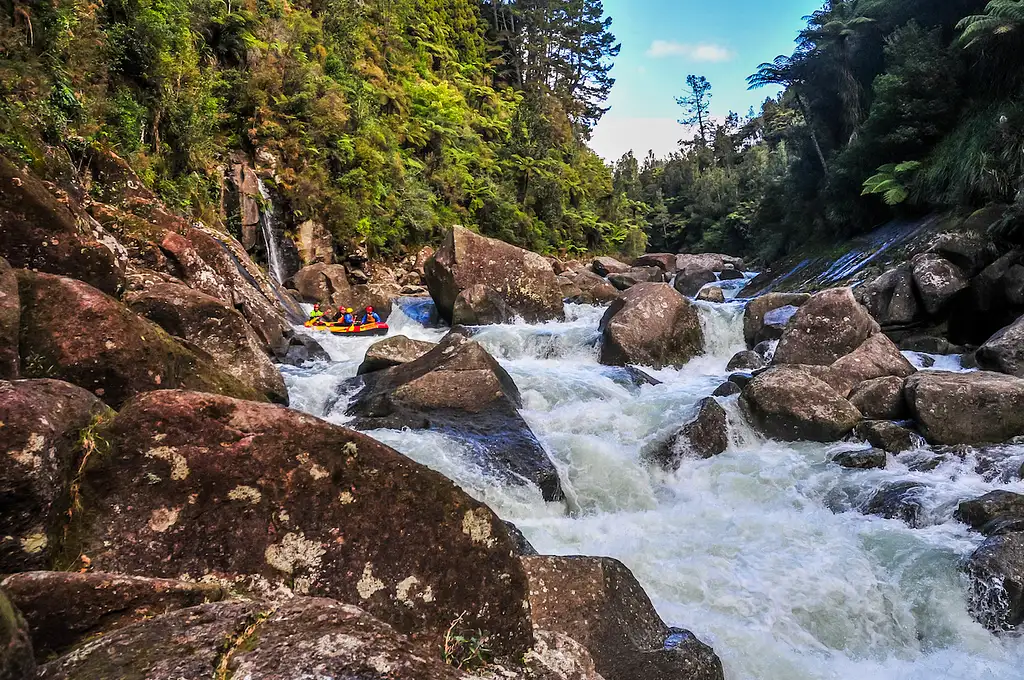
350, 329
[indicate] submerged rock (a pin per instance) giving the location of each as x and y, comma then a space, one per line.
997, 512
897, 500
63, 609
966, 408
216, 329
881, 398
651, 325
1004, 351
393, 351
864, 459
480, 305
747, 360
705, 436
71, 331
16, 659
996, 571
264, 499
790, 404
459, 389
755, 329
598, 602
10, 321
41, 443
525, 280
830, 325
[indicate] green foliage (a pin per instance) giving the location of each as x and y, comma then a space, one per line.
891, 182
465, 649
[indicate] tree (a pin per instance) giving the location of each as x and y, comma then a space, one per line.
1001, 18
786, 71
697, 106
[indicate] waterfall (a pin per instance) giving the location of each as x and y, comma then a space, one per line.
267, 227
760, 550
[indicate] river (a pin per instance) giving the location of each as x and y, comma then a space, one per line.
758, 550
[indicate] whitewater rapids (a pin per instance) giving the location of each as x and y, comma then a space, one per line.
758, 550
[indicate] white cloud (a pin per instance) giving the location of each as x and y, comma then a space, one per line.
661, 49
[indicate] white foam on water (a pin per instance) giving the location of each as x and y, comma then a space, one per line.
761, 550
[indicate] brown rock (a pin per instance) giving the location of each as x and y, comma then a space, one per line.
247, 184
393, 351
314, 243
1004, 351
266, 499
41, 442
651, 325
789, 404
598, 602
997, 512
966, 408
705, 436
10, 322
888, 436
16, 660
690, 280
864, 459
40, 231
891, 298
711, 294
830, 325
665, 261
593, 288
877, 357
716, 262
480, 305
73, 332
747, 360
881, 399
216, 329
324, 283
459, 389
628, 279
63, 609
524, 280
424, 254
570, 291
755, 331
603, 266
938, 280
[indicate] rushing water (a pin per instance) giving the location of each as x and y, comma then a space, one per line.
759, 550
267, 226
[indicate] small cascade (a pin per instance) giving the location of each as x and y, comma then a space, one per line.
267, 227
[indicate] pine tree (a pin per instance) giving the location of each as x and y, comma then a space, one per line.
696, 105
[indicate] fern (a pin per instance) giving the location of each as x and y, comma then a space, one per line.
890, 181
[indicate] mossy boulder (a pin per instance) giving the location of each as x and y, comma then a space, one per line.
46, 426
266, 500
74, 332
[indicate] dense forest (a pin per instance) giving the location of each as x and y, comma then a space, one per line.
385, 120
891, 108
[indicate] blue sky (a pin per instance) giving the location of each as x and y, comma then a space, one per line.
664, 40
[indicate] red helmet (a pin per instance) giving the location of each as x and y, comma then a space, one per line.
369, 309
316, 306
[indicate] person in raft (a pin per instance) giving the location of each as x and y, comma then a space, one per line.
370, 316
347, 318
317, 315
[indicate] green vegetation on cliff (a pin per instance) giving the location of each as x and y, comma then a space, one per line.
385, 120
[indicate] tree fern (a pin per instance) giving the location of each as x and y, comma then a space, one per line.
1000, 17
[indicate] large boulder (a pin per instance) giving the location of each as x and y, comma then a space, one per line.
877, 357
881, 398
481, 305
997, 512
970, 250
966, 408
891, 298
41, 232
266, 500
525, 280
790, 404
216, 329
45, 428
651, 325
314, 243
457, 388
299, 639
393, 351
628, 279
937, 280
745, 360
10, 321
16, 659
1004, 351
324, 283
996, 572
63, 609
603, 266
716, 262
599, 603
830, 325
665, 261
691, 279
705, 436
755, 329
74, 332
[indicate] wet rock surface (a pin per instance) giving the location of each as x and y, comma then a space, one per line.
755, 329
302, 348
704, 436
747, 360
598, 602
268, 500
650, 325
16, 659
393, 351
74, 332
828, 326
790, 404
888, 436
481, 305
966, 408
525, 280
41, 444
997, 512
897, 500
864, 459
996, 573
459, 389
63, 609
711, 294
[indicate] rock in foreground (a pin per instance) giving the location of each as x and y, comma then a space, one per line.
996, 570
651, 325
966, 408
393, 351
790, 404
705, 436
265, 499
